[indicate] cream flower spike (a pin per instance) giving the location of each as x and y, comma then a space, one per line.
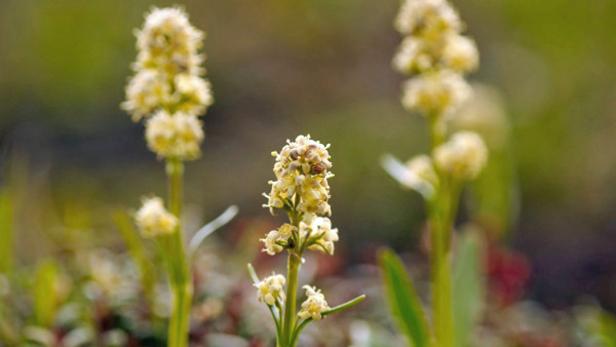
302, 167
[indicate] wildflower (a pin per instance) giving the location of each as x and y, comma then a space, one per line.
319, 234
271, 289
460, 54
154, 220
437, 93
301, 169
169, 42
314, 305
463, 156
427, 18
147, 91
174, 136
278, 239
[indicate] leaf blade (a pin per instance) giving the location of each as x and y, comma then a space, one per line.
404, 303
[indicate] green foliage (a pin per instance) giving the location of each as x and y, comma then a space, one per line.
404, 303
468, 286
495, 192
6, 231
602, 327
45, 293
138, 253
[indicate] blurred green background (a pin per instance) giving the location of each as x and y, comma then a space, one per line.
280, 68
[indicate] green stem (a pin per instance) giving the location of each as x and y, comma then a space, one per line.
441, 283
290, 307
442, 213
180, 277
339, 308
438, 130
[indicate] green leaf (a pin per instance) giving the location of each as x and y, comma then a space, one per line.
6, 231
45, 293
138, 253
468, 287
404, 302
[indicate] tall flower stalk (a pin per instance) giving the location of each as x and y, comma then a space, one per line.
436, 56
168, 91
301, 189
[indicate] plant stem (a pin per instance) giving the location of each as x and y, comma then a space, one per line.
438, 130
180, 278
441, 278
293, 264
442, 213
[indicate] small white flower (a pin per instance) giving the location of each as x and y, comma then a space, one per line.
427, 18
193, 94
169, 42
271, 289
463, 156
413, 55
460, 53
154, 220
436, 93
319, 232
314, 305
147, 91
276, 240
176, 136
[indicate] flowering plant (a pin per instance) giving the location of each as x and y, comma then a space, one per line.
301, 189
169, 91
436, 56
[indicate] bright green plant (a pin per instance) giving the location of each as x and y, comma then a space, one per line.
436, 56
168, 90
301, 189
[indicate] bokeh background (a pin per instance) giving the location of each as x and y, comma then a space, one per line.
280, 68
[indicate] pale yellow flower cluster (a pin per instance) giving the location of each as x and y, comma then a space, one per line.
270, 290
463, 156
174, 136
314, 305
302, 169
278, 239
319, 233
154, 220
168, 85
434, 50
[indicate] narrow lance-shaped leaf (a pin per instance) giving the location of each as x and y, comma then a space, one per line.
6, 231
210, 227
403, 300
468, 287
45, 293
138, 253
